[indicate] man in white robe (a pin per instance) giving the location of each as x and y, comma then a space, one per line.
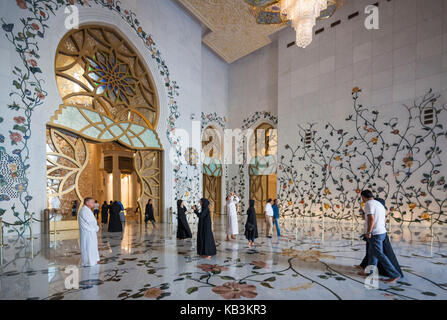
88, 227
232, 223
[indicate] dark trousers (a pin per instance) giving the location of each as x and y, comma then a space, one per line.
376, 255
276, 223
96, 213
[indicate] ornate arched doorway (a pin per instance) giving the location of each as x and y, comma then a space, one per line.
212, 168
262, 168
107, 120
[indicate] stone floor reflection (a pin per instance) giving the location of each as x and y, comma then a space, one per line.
151, 264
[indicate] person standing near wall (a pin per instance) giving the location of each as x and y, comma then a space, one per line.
251, 227
74, 209
232, 223
149, 213
88, 227
96, 210
268, 212
276, 216
104, 213
206, 247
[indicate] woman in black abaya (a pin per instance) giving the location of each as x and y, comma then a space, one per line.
115, 220
183, 230
149, 213
251, 227
104, 212
206, 247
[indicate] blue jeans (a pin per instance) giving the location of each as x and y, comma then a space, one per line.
376, 255
275, 221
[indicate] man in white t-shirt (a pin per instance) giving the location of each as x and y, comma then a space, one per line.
268, 212
376, 233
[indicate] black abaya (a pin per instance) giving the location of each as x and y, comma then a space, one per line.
251, 227
205, 239
115, 220
149, 213
183, 230
104, 213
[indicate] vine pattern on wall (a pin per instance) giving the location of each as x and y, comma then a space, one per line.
28, 94
399, 159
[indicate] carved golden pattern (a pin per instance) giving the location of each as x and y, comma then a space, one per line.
148, 165
67, 157
262, 188
212, 186
97, 68
234, 31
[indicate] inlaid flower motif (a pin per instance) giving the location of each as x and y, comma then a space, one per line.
212, 268
112, 77
16, 137
259, 264
234, 290
21, 4
408, 161
19, 120
425, 216
153, 293
306, 255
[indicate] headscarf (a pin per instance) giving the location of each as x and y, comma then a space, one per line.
251, 203
179, 202
205, 203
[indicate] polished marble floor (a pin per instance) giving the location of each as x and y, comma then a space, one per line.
305, 263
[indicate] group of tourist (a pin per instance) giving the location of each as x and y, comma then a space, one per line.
379, 252
206, 247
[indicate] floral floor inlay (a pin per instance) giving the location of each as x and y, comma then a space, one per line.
305, 263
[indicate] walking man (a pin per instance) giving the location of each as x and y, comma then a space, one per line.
276, 216
268, 212
376, 234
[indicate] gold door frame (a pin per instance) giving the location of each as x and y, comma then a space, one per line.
108, 95
212, 168
147, 176
212, 190
263, 185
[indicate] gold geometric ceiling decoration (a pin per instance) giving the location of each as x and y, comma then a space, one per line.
234, 31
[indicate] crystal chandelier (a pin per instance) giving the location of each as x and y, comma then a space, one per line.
303, 15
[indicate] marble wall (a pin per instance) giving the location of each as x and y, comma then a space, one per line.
394, 66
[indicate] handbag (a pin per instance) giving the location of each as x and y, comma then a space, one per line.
122, 216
